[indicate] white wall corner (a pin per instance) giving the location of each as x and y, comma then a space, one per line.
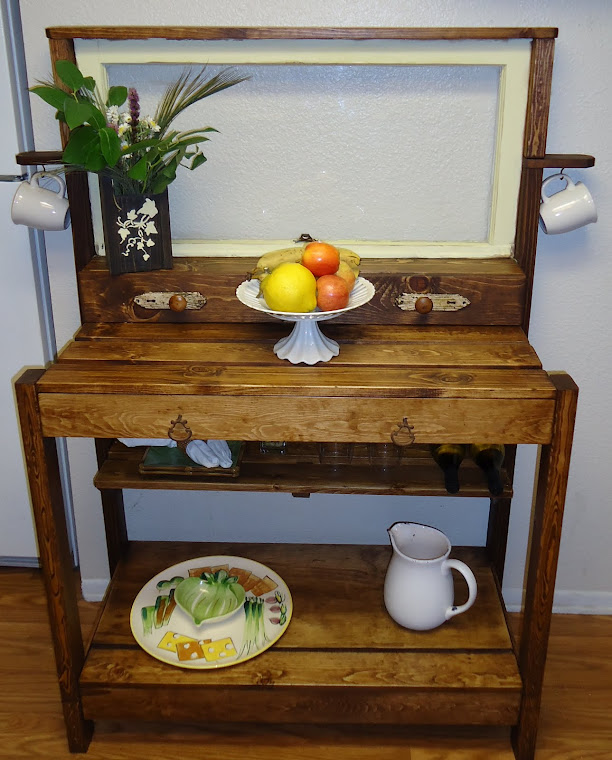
566, 602
93, 589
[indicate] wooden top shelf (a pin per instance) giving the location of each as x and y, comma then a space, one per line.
318, 33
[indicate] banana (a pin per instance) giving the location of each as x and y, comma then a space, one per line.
352, 259
272, 259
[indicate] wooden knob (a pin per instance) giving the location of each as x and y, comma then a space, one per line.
423, 305
177, 302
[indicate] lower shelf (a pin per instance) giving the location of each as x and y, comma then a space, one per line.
299, 472
342, 659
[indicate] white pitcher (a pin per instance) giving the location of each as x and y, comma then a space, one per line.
419, 590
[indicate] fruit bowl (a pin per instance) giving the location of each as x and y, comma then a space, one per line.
306, 344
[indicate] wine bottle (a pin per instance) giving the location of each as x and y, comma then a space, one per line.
489, 457
449, 456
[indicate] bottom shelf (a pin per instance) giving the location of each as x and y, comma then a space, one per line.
342, 659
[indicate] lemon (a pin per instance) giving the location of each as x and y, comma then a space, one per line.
290, 287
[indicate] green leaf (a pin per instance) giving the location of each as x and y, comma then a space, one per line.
95, 160
139, 170
189, 141
110, 145
89, 83
79, 144
77, 113
97, 118
159, 184
69, 74
51, 95
198, 160
116, 96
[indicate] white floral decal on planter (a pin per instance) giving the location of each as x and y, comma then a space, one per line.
137, 228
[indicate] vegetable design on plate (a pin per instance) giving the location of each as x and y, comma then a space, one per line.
277, 605
159, 614
254, 627
210, 597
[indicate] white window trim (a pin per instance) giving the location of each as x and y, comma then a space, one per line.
511, 56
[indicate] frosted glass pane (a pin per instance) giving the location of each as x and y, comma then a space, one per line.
340, 152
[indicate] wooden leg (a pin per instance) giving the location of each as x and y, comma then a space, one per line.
497, 534
542, 568
114, 512
55, 558
499, 519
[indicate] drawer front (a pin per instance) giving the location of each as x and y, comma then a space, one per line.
298, 419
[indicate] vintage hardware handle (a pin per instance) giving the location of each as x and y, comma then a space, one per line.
426, 302
402, 434
176, 301
180, 432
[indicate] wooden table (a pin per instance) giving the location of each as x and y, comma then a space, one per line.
349, 663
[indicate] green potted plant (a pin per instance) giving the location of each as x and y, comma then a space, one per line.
135, 156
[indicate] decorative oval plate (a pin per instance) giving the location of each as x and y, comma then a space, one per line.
170, 634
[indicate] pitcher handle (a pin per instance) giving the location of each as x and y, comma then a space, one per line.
461, 567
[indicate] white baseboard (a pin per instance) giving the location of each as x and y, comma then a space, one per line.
93, 589
567, 602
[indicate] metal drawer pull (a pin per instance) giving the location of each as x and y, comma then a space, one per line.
402, 434
177, 301
439, 301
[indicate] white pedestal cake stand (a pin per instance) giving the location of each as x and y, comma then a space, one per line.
306, 344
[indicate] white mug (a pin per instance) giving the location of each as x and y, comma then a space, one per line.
568, 209
39, 207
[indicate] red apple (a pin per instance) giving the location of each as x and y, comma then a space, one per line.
321, 258
332, 292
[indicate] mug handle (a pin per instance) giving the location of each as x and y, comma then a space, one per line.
61, 191
549, 179
456, 564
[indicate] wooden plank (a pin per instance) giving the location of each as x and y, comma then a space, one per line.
302, 705
542, 567
276, 418
325, 581
263, 32
527, 231
351, 671
474, 354
414, 476
270, 333
560, 161
495, 290
280, 379
50, 520
39, 157
538, 98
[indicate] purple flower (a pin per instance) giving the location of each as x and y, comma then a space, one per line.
134, 105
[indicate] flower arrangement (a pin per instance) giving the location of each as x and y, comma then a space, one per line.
109, 136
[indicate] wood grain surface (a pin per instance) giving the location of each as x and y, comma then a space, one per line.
495, 289
338, 661
274, 32
575, 718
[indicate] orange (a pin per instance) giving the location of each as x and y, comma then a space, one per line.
321, 258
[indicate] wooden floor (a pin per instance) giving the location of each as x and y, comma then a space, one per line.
576, 721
